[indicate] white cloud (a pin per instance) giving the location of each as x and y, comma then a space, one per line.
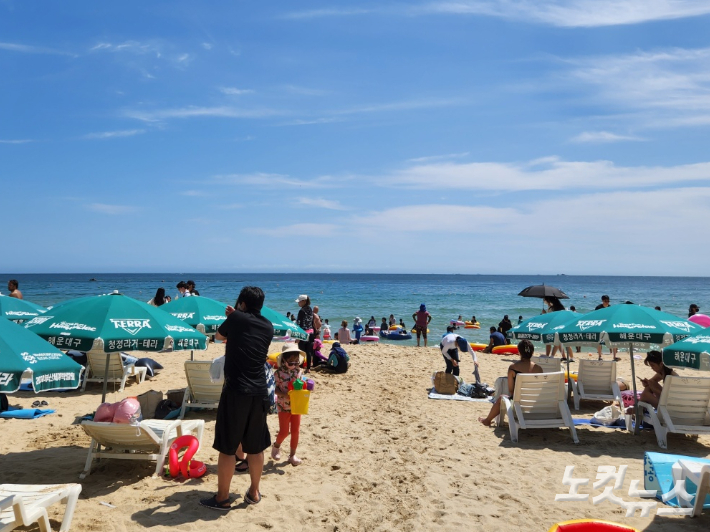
438, 157
133, 47
328, 12
104, 208
29, 49
16, 141
305, 91
274, 180
541, 174
195, 193
197, 112
234, 91
575, 13
115, 134
308, 230
321, 203
602, 137
307, 122
667, 87
206, 46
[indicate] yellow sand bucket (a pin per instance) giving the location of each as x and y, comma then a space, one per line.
299, 401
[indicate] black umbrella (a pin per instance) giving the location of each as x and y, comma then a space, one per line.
542, 290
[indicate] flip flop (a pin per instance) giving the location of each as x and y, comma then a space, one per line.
213, 504
38, 404
242, 466
249, 500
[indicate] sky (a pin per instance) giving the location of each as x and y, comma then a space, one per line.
491, 136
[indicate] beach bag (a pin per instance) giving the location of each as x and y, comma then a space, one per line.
608, 415
128, 411
149, 402
445, 383
167, 409
627, 397
105, 411
4, 403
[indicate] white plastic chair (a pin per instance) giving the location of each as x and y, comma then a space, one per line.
548, 364
539, 401
683, 408
201, 392
29, 503
596, 380
117, 371
149, 440
699, 474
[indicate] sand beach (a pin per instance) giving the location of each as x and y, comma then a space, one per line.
377, 455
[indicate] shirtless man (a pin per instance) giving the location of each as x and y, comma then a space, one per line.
12, 286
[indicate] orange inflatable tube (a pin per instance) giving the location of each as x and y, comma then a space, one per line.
505, 350
187, 466
478, 347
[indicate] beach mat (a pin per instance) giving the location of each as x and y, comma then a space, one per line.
658, 475
455, 397
618, 424
25, 413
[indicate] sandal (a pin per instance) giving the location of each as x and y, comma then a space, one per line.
38, 404
242, 466
213, 504
249, 500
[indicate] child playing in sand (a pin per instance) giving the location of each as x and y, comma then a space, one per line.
287, 370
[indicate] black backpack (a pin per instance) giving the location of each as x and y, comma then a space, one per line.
4, 404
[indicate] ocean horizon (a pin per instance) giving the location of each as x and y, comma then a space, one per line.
343, 296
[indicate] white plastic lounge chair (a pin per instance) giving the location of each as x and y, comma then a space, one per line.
31, 502
683, 408
149, 440
548, 364
596, 380
699, 474
539, 401
117, 371
201, 392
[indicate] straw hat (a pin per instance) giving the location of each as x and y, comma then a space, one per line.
290, 348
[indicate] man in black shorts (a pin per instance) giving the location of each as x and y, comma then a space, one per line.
244, 403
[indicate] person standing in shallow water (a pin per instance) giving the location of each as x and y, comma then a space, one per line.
13, 287
422, 319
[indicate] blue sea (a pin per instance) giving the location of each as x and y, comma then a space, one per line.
344, 296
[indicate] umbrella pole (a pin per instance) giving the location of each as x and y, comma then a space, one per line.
637, 421
103, 397
569, 378
192, 355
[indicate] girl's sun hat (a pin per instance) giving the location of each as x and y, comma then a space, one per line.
290, 349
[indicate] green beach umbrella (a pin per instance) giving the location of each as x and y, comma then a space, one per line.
282, 325
19, 310
202, 313
113, 323
542, 328
22, 351
692, 352
628, 326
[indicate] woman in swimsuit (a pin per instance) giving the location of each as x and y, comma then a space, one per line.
526, 365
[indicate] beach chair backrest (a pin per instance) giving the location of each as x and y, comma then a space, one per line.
122, 436
97, 363
538, 395
596, 376
548, 364
198, 379
686, 400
